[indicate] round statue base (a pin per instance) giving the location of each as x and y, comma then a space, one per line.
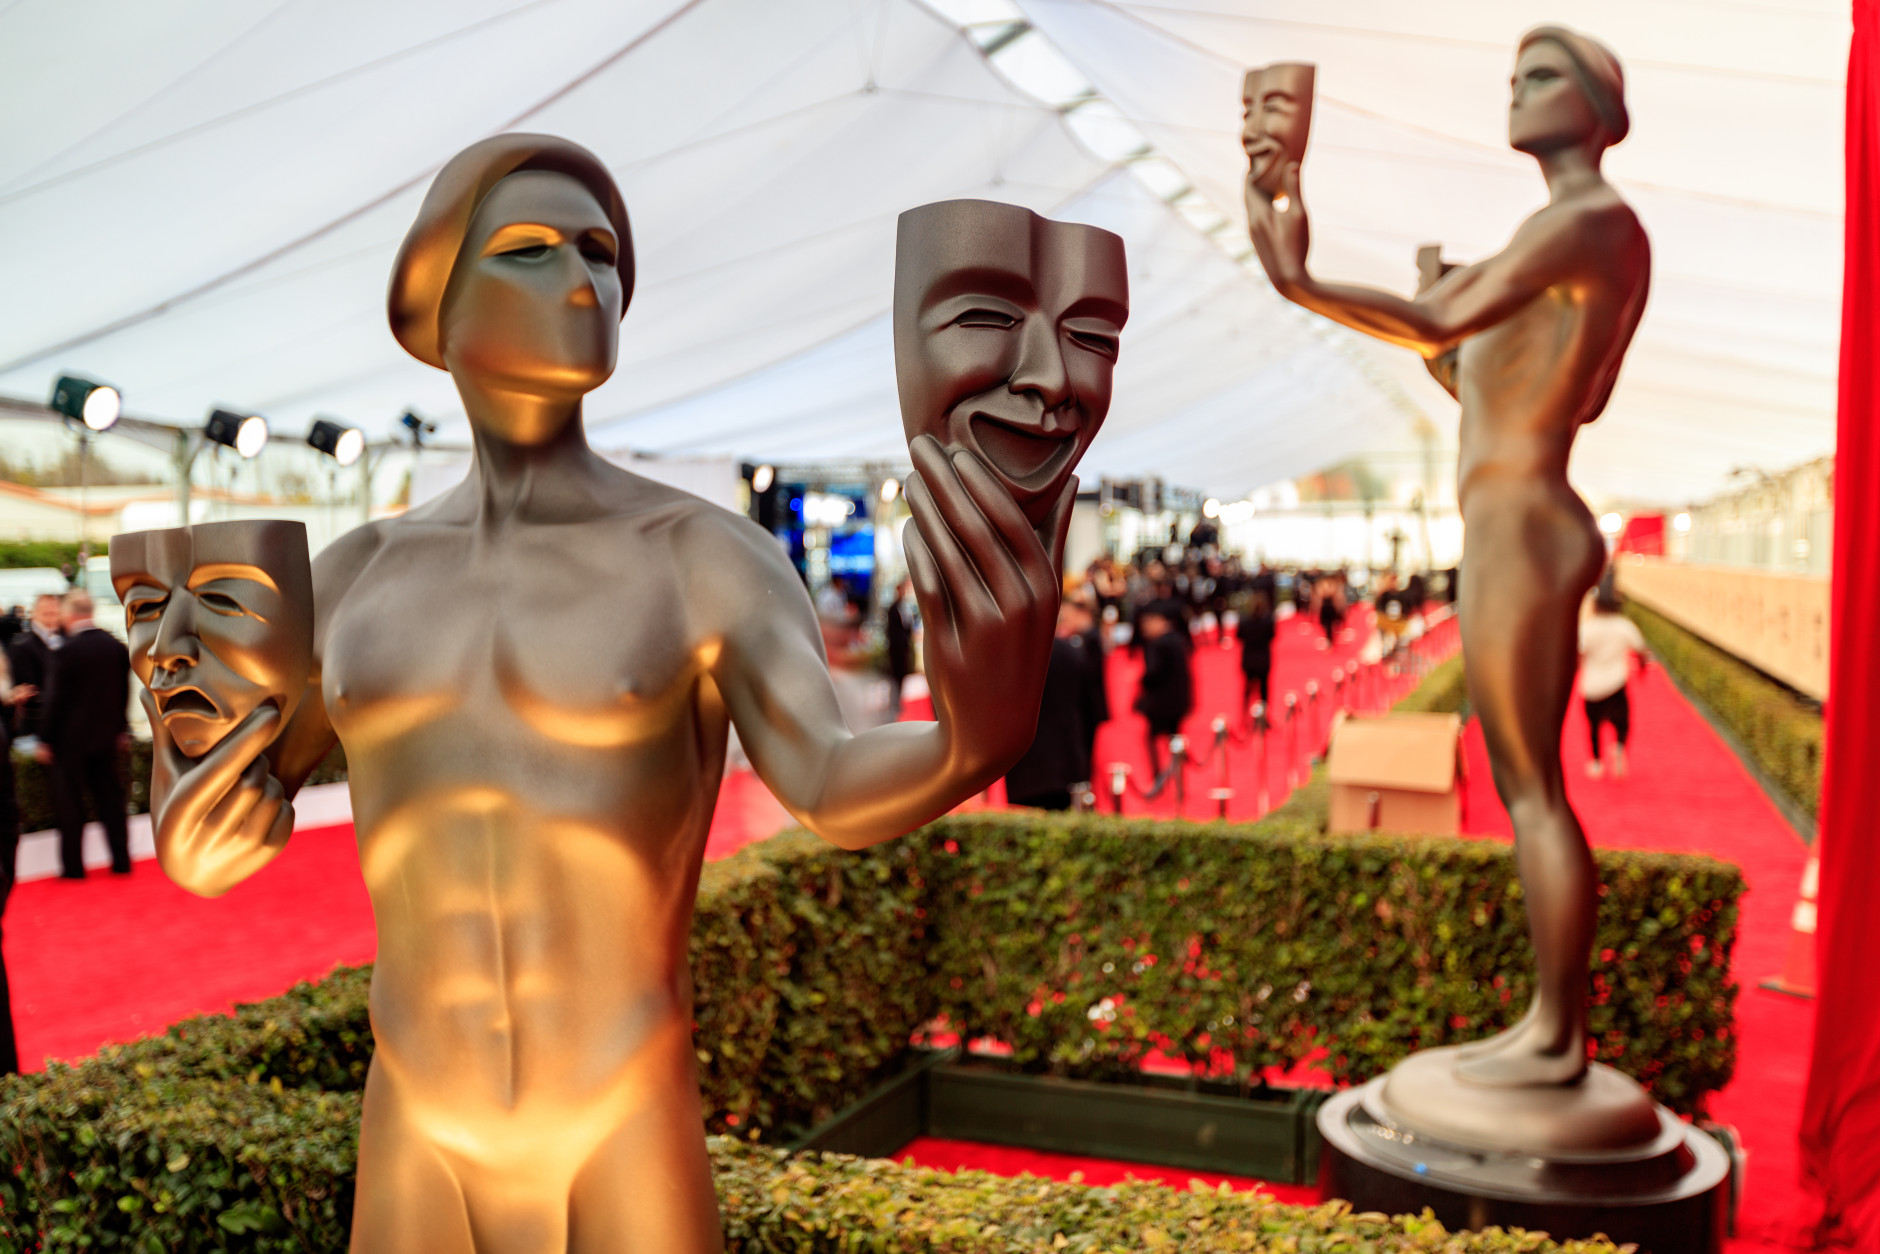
1669, 1196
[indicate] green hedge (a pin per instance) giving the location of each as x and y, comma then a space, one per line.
1781, 731
26, 554
1085, 942
171, 1165
1445, 690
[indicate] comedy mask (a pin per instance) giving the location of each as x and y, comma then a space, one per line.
1278, 101
1006, 328
220, 619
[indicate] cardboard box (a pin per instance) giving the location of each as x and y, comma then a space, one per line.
1396, 773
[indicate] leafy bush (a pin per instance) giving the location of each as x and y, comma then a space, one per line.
27, 554
1782, 731
1085, 942
1445, 690
201, 1165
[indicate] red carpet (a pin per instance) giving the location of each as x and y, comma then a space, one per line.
112, 959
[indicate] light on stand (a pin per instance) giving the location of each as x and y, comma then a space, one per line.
97, 405
343, 444
246, 434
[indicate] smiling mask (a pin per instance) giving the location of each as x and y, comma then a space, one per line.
1277, 99
1006, 328
220, 620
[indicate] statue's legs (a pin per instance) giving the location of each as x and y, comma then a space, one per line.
1532, 555
407, 1199
642, 1184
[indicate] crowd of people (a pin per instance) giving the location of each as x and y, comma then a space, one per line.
64, 691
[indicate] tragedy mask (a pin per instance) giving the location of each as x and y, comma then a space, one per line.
1278, 103
1006, 329
220, 620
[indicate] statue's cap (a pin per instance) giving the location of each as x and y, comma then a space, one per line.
1601, 76
421, 274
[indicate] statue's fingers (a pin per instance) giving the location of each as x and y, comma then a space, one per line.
966, 591
1003, 546
203, 783
1057, 525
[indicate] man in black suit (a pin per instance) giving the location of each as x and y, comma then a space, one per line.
82, 734
30, 656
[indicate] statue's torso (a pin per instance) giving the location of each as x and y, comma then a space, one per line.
533, 772
1529, 382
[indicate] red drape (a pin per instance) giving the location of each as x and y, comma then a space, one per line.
1841, 1117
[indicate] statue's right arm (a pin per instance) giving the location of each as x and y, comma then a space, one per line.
308, 737
1551, 247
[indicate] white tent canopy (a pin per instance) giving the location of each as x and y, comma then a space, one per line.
205, 196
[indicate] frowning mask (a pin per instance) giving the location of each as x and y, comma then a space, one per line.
220, 619
1278, 103
1006, 327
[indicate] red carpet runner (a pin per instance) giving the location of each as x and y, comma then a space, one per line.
112, 959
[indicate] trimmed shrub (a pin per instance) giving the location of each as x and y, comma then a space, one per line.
1781, 730
200, 1165
1445, 690
1084, 942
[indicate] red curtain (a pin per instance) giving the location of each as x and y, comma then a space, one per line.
1841, 1116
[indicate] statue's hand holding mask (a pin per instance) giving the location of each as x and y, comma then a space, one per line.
1277, 100
1006, 332
220, 621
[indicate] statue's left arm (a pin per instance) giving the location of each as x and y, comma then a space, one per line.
1551, 247
988, 590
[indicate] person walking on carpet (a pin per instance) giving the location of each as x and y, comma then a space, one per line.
83, 733
1608, 642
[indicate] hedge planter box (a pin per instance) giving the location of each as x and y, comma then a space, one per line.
1166, 1121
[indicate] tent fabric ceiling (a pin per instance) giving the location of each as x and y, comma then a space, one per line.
214, 190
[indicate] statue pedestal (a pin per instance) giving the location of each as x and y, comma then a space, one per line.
1587, 1163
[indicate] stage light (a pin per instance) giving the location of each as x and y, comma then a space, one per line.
889, 490
97, 405
1210, 508
1681, 523
763, 477
1611, 524
343, 444
247, 435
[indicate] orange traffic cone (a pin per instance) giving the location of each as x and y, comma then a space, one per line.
1798, 973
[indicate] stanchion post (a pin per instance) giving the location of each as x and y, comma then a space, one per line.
1292, 741
1222, 792
1262, 797
1119, 783
1312, 709
1178, 763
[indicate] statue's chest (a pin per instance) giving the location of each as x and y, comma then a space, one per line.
526, 635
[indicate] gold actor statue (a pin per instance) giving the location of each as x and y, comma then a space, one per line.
533, 676
1539, 331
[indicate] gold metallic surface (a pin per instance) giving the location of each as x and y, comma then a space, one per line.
1538, 332
1006, 328
220, 622
1277, 102
533, 677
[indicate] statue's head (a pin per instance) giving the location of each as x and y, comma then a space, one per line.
1278, 103
220, 619
1567, 89
516, 273
1006, 328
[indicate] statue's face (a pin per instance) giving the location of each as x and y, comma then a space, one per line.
220, 619
533, 305
1547, 109
1006, 327
1278, 103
